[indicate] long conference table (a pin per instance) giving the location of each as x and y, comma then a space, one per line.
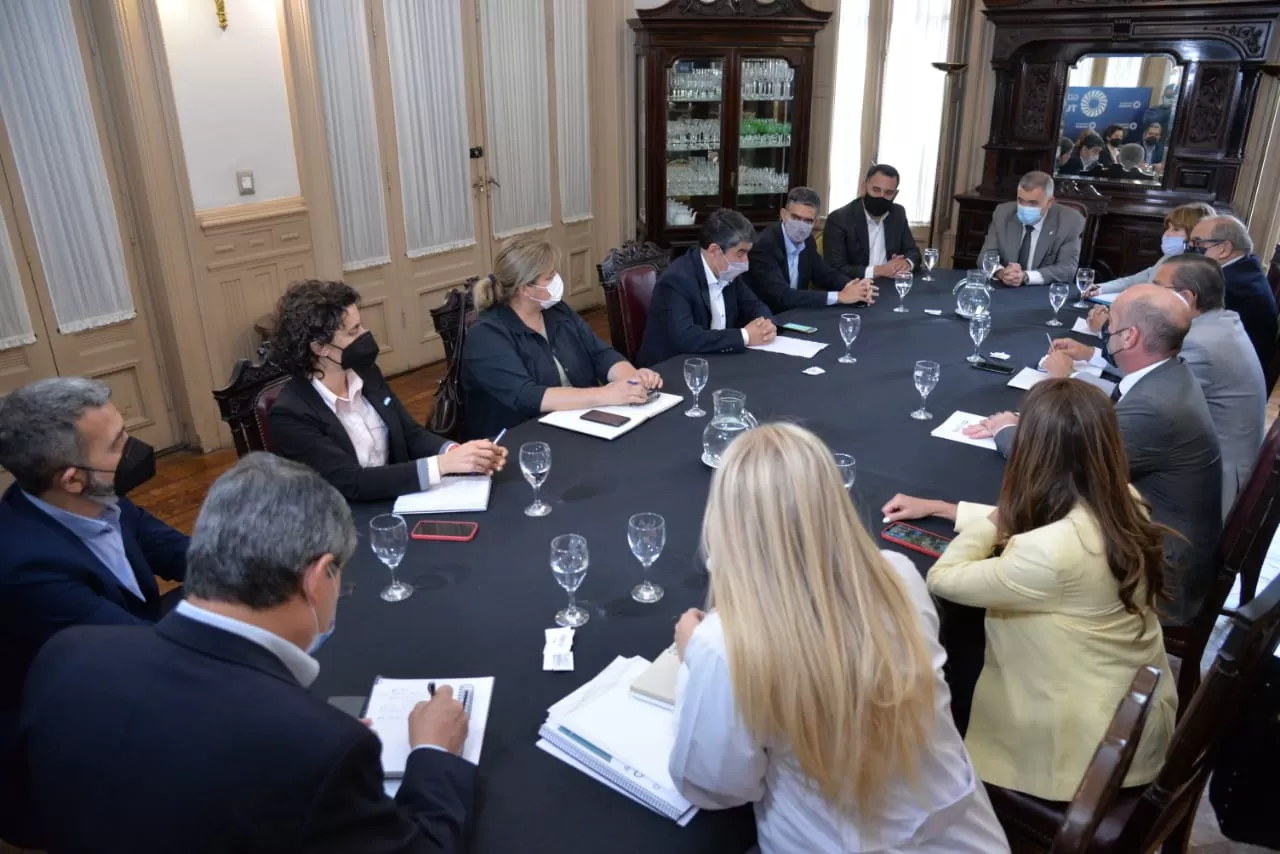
479, 608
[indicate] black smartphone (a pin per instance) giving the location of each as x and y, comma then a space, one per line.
995, 368
608, 419
916, 539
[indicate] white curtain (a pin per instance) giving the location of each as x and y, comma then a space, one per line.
911, 103
429, 93
44, 100
346, 83
15, 321
845, 167
515, 93
1123, 71
573, 131
1081, 74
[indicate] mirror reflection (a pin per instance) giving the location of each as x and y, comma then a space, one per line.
1117, 117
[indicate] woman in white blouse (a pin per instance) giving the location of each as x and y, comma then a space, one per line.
813, 689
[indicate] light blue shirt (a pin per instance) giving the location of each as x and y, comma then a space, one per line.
303, 667
102, 536
793, 268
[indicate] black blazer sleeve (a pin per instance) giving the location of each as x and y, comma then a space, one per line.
300, 435
906, 242
838, 248
420, 441
771, 283
749, 306
164, 547
822, 274
428, 816
601, 355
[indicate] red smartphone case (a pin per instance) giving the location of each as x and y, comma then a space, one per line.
907, 545
446, 538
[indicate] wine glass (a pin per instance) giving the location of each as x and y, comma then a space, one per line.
1058, 293
695, 377
930, 260
569, 561
979, 326
1084, 281
902, 281
647, 534
849, 326
389, 536
535, 465
990, 262
926, 377
848, 469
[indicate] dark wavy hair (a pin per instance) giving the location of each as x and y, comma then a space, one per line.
309, 312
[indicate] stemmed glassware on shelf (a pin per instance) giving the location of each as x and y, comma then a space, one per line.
569, 559
930, 258
849, 326
767, 80
979, 326
389, 537
1084, 281
696, 372
698, 84
902, 282
646, 534
535, 465
1058, 293
925, 376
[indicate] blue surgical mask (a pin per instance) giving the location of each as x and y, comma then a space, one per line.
320, 638
1173, 245
1028, 215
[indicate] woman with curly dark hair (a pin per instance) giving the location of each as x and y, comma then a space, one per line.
1069, 567
339, 415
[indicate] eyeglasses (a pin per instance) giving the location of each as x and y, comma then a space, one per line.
1201, 242
1113, 332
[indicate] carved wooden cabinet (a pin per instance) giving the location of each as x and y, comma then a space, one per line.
1217, 53
723, 90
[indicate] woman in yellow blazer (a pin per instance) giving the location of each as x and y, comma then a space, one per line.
1069, 567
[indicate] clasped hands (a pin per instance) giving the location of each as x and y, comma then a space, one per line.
859, 290
760, 331
896, 264
1012, 275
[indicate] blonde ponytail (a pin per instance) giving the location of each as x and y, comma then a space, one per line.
483, 292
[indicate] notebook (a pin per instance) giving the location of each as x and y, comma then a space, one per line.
657, 684
1103, 299
571, 419
454, 494
391, 701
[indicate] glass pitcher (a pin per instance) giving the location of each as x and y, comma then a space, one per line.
973, 300
729, 420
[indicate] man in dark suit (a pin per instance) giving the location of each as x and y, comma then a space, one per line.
1226, 240
1152, 147
701, 304
74, 550
200, 735
870, 237
1038, 241
1175, 461
786, 270
1087, 155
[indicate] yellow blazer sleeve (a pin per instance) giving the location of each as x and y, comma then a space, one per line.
1021, 578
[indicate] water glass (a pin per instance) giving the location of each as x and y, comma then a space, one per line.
569, 561
389, 536
1084, 281
535, 465
849, 326
848, 469
979, 326
647, 534
926, 377
990, 262
1058, 293
930, 261
696, 372
902, 281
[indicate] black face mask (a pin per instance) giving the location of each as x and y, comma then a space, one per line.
1152, 140
360, 353
137, 466
877, 205
1193, 249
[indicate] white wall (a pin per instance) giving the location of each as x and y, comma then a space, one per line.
233, 109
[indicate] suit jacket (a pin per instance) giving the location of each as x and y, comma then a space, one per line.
50, 580
1057, 248
1176, 464
1074, 165
680, 313
305, 429
769, 277
1249, 295
190, 738
1056, 632
847, 246
1219, 354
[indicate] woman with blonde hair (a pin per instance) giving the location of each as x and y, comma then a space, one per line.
813, 687
530, 353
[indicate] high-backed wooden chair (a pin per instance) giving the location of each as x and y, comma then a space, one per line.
628, 276
453, 316
1159, 816
246, 400
1084, 199
1100, 787
452, 319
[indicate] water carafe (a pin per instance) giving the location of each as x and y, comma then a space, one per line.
729, 421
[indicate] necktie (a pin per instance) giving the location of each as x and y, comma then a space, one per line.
1115, 394
1024, 249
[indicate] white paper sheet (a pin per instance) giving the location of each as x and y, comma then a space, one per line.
791, 347
391, 700
1026, 378
571, 419
1078, 367
953, 429
454, 494
1092, 374
1082, 326
543, 744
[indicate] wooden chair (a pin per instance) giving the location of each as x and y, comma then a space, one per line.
1159, 816
1242, 548
445, 317
247, 399
452, 319
1084, 199
1099, 788
628, 276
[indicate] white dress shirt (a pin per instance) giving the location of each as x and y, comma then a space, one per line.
366, 430
715, 289
876, 252
716, 763
303, 667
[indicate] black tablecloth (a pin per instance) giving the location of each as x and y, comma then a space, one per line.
479, 608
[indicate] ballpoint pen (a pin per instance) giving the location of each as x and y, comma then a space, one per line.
501, 433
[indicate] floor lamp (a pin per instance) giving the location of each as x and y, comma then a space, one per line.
947, 141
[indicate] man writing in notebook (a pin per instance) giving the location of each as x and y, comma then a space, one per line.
200, 733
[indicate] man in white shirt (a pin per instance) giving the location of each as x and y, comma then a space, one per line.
1038, 241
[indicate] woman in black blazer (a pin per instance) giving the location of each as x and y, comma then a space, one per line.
339, 416
529, 353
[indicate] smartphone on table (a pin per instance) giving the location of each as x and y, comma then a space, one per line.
800, 327
608, 419
450, 532
916, 539
995, 367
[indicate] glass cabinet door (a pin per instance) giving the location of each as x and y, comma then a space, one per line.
694, 127
765, 156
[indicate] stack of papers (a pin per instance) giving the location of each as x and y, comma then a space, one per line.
953, 429
658, 683
625, 743
571, 419
454, 494
791, 347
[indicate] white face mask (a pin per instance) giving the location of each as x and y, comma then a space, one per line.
555, 288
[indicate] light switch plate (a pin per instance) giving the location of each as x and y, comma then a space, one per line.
244, 182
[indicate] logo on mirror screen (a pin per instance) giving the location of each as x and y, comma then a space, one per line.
1094, 103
